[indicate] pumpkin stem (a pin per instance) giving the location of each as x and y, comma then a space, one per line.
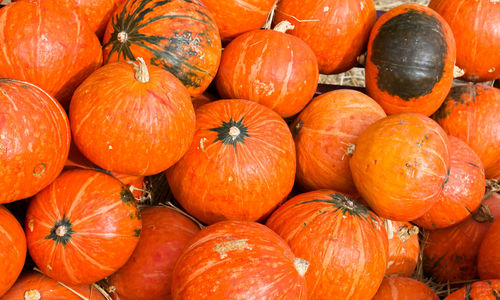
234, 132
405, 233
270, 16
483, 214
141, 71
122, 37
284, 26
296, 129
350, 150
32, 295
457, 72
301, 265
361, 59
61, 230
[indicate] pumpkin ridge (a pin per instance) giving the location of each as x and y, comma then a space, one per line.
61, 231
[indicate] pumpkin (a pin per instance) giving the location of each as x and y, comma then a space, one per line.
238, 260
403, 288
47, 45
488, 258
404, 248
470, 112
476, 35
36, 286
400, 165
235, 17
179, 36
270, 67
240, 166
344, 242
146, 131
148, 272
12, 249
337, 31
463, 192
34, 139
410, 60
322, 133
481, 290
83, 227
450, 254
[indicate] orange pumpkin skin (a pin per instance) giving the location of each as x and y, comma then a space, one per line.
345, 243
12, 249
34, 139
450, 254
240, 166
404, 248
400, 165
33, 284
481, 290
83, 227
47, 45
179, 36
488, 258
148, 272
476, 35
240, 260
337, 31
272, 68
322, 132
463, 192
401, 80
470, 112
146, 132
403, 288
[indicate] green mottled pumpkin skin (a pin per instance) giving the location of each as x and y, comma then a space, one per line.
178, 35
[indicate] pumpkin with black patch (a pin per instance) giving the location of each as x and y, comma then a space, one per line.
178, 35
410, 60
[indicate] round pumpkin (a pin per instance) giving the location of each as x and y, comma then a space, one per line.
488, 258
410, 60
178, 36
337, 31
470, 112
48, 45
403, 288
239, 260
270, 67
322, 133
12, 250
36, 286
481, 290
400, 165
240, 166
83, 227
146, 131
450, 254
234, 17
475, 26
148, 272
34, 139
462, 193
404, 248
344, 242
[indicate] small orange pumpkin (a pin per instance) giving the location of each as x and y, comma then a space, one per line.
404, 248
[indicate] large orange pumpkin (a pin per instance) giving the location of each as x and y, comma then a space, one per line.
136, 126
241, 163
148, 272
410, 60
488, 258
400, 165
462, 193
179, 36
34, 139
270, 67
404, 248
337, 31
470, 112
12, 249
322, 133
48, 45
403, 288
238, 260
481, 290
83, 227
344, 242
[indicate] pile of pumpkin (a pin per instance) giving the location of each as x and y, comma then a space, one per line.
301, 195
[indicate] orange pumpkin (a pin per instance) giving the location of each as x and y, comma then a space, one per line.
83, 227
400, 165
34, 139
403, 288
146, 131
410, 60
488, 258
344, 242
238, 260
241, 163
404, 248
481, 290
322, 133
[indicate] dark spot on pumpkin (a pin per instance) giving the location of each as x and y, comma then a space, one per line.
127, 197
137, 232
409, 52
375, 162
408, 165
61, 232
39, 169
474, 165
426, 136
446, 179
296, 129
